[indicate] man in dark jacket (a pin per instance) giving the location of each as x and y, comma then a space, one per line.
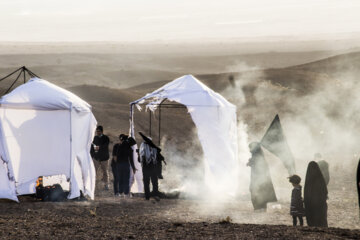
100, 153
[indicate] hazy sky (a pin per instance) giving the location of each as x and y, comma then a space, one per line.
143, 20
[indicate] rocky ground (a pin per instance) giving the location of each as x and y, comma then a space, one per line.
109, 217
116, 218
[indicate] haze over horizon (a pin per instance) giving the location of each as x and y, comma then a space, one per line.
161, 20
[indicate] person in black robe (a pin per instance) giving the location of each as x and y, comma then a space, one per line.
261, 187
122, 160
315, 196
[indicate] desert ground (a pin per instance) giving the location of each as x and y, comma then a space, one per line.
313, 91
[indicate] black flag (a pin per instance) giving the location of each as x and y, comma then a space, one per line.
274, 140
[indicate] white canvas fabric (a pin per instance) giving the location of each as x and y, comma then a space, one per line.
40, 94
136, 180
7, 187
216, 123
45, 130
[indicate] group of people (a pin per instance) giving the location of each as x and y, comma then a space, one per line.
122, 163
261, 187
313, 206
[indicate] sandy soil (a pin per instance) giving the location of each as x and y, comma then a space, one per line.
135, 218
108, 217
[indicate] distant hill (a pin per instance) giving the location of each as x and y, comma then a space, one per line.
319, 94
128, 70
300, 80
348, 62
104, 94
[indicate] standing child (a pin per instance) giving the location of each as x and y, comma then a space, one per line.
296, 206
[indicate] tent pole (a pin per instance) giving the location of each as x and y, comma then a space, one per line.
10, 74
159, 123
72, 161
31, 73
24, 69
160, 119
13, 83
131, 119
150, 122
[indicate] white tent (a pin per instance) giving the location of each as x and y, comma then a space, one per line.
45, 130
215, 119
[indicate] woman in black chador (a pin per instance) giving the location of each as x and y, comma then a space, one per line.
261, 187
315, 196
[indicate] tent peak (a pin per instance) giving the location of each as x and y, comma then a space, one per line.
40, 94
187, 90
